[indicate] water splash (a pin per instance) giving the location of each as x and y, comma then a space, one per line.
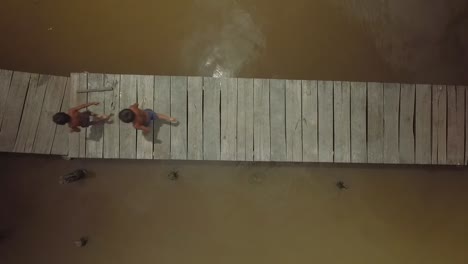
223, 50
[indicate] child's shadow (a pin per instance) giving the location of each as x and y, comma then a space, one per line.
97, 129
157, 128
96, 132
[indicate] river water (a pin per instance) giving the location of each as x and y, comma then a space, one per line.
215, 212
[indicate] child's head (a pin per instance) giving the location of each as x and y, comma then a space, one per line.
61, 118
127, 115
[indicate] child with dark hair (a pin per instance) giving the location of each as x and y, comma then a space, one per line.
75, 119
141, 119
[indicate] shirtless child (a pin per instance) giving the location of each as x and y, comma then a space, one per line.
76, 119
141, 119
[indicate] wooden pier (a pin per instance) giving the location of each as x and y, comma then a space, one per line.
237, 119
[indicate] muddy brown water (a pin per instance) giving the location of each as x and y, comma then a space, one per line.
215, 212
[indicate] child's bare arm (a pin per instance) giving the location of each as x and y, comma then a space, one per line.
79, 107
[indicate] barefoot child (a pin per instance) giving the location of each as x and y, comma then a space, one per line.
142, 118
76, 119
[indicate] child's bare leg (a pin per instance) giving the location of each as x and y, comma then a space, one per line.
167, 118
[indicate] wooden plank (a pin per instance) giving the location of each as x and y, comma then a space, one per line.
461, 124
342, 118
228, 118
211, 119
375, 129
13, 110
31, 113
73, 138
162, 104
466, 125
439, 124
325, 113
456, 126
245, 119
95, 133
94, 90
391, 120
112, 107
407, 101
293, 121
179, 111
278, 120
262, 120
60, 144
145, 97
46, 128
309, 121
5, 80
423, 124
358, 122
195, 118
127, 133
82, 99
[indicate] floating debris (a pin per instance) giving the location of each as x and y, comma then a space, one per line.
73, 176
81, 242
341, 185
173, 175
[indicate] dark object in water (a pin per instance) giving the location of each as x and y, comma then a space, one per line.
173, 175
73, 176
341, 185
81, 242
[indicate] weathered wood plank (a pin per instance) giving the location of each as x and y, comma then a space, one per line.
262, 120
13, 110
375, 129
179, 111
461, 124
358, 122
407, 101
31, 113
5, 80
73, 138
439, 124
391, 121
325, 113
342, 118
423, 124
228, 118
309, 121
245, 119
112, 107
95, 133
145, 97
162, 104
456, 126
466, 125
211, 119
82, 99
127, 133
293, 121
60, 144
195, 118
52, 102
452, 140
278, 120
